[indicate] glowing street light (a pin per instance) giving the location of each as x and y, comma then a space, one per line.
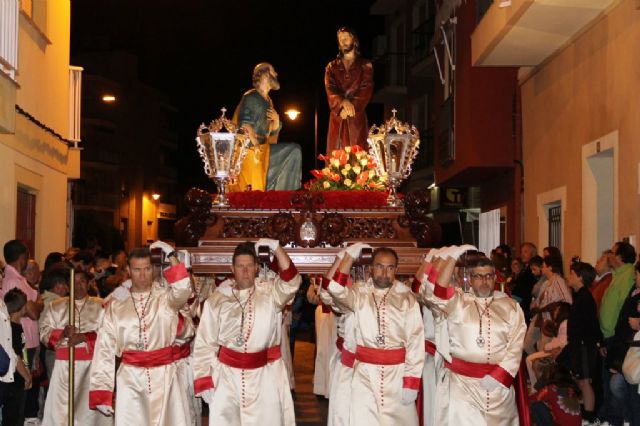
155, 196
292, 114
108, 98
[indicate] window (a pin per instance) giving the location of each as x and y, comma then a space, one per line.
75, 101
555, 225
36, 13
9, 37
26, 218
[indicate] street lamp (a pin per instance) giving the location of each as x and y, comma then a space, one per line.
155, 196
292, 113
108, 98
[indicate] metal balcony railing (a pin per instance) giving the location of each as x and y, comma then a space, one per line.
422, 36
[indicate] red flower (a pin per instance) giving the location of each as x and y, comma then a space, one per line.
335, 177
355, 149
317, 173
323, 157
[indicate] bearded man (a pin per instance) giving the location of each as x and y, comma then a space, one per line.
268, 165
348, 81
486, 331
389, 336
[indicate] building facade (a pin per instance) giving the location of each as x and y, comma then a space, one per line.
39, 124
578, 82
466, 116
126, 196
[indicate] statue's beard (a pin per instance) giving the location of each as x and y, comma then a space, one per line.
275, 84
347, 49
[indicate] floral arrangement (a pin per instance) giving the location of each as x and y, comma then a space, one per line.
350, 168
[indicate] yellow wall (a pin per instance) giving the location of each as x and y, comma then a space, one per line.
43, 69
30, 156
50, 187
587, 91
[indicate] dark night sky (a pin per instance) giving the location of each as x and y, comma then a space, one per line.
201, 53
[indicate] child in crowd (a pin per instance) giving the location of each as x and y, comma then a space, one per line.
555, 329
583, 335
557, 403
14, 398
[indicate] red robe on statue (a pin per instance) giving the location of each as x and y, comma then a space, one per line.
356, 85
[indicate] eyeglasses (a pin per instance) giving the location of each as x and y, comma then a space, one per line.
389, 268
483, 277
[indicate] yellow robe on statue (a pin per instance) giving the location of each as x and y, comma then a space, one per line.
376, 390
55, 318
503, 330
255, 165
153, 396
256, 396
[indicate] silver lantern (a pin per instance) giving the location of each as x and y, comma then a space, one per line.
222, 147
393, 146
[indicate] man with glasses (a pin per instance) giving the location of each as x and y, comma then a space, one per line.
486, 333
389, 338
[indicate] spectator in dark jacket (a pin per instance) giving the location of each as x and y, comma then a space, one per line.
524, 283
583, 335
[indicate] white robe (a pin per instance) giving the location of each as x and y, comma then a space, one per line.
376, 390
503, 331
152, 396
55, 318
326, 335
285, 349
342, 375
257, 396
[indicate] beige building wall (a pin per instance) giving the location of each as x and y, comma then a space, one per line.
583, 100
31, 157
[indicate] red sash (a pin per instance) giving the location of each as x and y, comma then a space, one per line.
430, 347
347, 358
380, 356
248, 360
156, 358
469, 369
81, 354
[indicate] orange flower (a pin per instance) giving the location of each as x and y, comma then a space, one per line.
317, 173
362, 178
343, 158
355, 149
335, 177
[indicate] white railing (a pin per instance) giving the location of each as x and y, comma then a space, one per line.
75, 102
9, 37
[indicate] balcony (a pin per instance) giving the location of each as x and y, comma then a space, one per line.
389, 75
529, 31
421, 55
384, 7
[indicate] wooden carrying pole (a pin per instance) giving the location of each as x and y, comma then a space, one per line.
72, 323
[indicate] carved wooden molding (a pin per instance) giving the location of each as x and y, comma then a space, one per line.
217, 259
